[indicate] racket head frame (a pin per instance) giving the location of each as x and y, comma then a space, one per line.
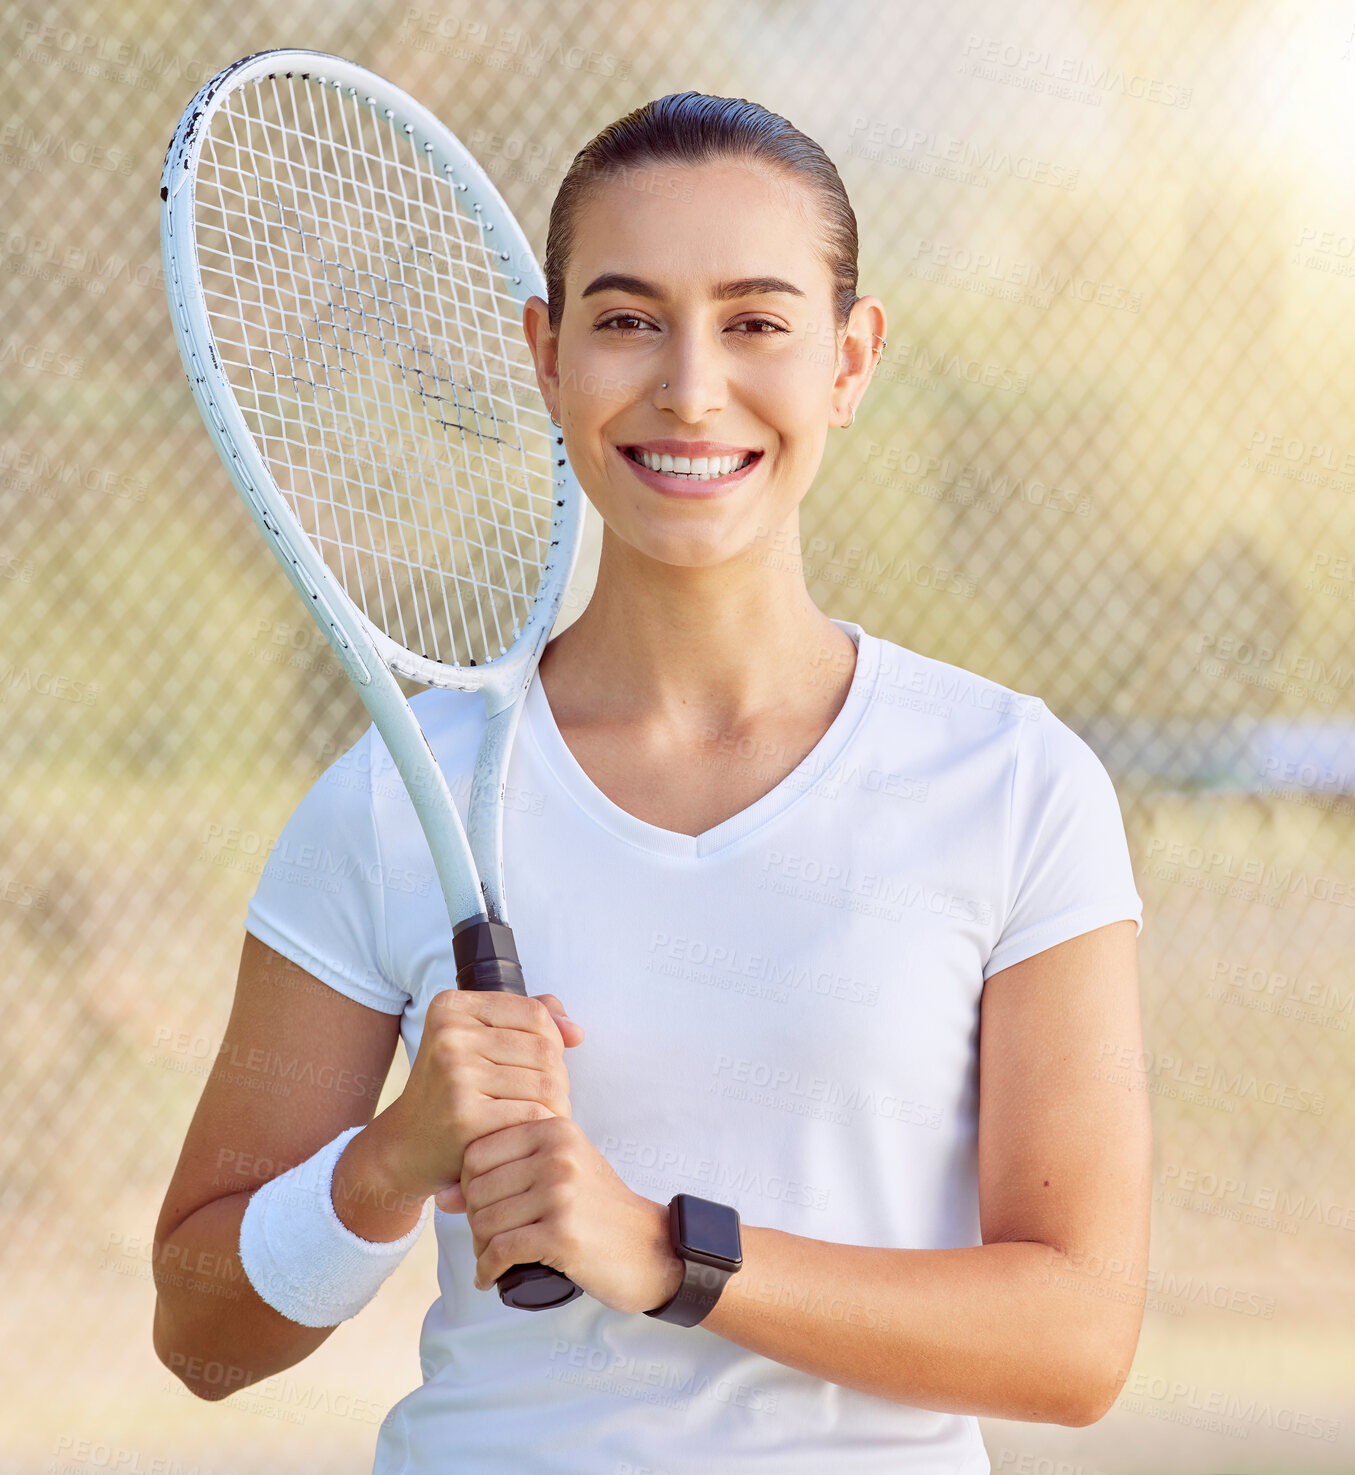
469, 861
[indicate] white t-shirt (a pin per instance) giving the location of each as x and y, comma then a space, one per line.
781, 1013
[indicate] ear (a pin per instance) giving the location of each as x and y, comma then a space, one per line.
542, 343
858, 353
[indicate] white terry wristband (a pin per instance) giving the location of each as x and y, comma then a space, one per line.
301, 1257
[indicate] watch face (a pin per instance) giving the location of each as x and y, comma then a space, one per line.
709, 1230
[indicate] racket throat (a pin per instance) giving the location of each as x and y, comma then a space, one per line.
487, 957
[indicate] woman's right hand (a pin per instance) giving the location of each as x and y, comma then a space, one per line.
486, 1060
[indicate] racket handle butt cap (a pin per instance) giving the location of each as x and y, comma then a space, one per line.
535, 1288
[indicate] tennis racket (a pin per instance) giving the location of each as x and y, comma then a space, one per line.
347, 289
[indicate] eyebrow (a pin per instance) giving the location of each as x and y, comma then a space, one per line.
617, 281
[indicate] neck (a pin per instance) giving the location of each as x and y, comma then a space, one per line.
696, 646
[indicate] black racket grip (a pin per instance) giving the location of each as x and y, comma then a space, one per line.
487, 960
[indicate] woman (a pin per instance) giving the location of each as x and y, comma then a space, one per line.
852, 932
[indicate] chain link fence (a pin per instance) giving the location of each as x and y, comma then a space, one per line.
1108, 458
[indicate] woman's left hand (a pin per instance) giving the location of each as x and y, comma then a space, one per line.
541, 1192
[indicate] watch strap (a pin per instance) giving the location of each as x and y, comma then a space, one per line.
696, 1296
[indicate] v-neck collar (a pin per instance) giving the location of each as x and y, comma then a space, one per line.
541, 730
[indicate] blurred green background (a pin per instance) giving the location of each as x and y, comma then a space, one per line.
1109, 459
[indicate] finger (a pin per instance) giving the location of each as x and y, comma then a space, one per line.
509, 1083
465, 1039
451, 1200
491, 1007
484, 1190
506, 1145
492, 1115
518, 1047
505, 1214
519, 1033
570, 1032
526, 1245
504, 1199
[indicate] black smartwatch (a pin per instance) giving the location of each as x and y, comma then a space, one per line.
705, 1235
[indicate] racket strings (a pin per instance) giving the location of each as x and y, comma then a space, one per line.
366, 330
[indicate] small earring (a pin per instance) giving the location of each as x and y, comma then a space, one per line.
852, 421
555, 422
663, 386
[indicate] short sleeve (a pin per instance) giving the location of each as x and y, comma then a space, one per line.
320, 901
1068, 859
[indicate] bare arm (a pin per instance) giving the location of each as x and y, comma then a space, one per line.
485, 1061
211, 1328
1040, 1322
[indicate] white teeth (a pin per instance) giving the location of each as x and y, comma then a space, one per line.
700, 468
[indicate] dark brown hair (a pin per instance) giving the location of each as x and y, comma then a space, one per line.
695, 128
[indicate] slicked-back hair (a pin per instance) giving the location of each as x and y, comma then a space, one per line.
692, 128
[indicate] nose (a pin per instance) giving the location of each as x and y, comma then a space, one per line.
691, 381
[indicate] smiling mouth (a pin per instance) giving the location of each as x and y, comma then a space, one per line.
697, 468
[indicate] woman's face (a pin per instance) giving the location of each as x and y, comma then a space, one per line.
706, 280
